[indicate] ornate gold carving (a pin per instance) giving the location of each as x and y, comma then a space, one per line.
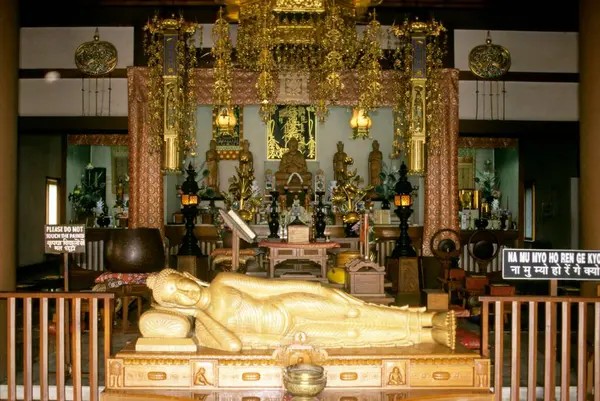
156, 361
157, 376
487, 143
229, 145
397, 376
489, 61
348, 376
170, 45
442, 361
115, 373
96, 58
351, 362
293, 88
98, 139
200, 377
440, 375
482, 373
248, 362
251, 376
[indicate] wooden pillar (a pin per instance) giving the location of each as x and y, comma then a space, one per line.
9, 77
589, 134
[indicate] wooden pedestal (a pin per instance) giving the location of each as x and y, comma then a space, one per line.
404, 275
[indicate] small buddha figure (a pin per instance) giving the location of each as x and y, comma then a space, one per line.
293, 161
339, 163
375, 164
236, 312
246, 159
212, 165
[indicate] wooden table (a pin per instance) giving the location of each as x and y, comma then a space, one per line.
313, 251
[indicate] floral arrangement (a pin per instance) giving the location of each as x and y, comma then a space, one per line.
488, 183
85, 195
388, 179
219, 224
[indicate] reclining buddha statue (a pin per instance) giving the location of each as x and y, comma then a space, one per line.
237, 312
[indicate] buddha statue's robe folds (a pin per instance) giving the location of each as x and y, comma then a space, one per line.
237, 312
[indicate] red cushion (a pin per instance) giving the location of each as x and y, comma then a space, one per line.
468, 339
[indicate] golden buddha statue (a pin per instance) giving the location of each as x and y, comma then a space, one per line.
236, 312
292, 163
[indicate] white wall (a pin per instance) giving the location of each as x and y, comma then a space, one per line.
530, 51
55, 47
545, 52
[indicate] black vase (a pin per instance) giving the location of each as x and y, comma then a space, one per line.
385, 204
103, 221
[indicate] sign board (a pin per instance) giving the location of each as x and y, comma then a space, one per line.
550, 264
64, 238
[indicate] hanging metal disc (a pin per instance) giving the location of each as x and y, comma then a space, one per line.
97, 57
489, 61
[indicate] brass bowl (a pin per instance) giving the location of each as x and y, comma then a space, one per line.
304, 380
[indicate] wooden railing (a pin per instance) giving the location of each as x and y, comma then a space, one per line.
67, 344
588, 344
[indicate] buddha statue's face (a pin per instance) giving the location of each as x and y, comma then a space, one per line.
375, 145
181, 291
213, 145
293, 145
340, 146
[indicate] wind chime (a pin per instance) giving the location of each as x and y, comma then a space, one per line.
169, 44
418, 59
96, 60
490, 62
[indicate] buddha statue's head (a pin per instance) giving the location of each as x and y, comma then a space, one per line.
213, 145
172, 288
340, 146
375, 145
293, 145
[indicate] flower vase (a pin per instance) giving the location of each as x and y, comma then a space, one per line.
385, 204
103, 221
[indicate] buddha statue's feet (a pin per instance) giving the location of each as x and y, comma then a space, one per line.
444, 329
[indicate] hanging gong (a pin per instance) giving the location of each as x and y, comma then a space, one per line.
97, 57
489, 61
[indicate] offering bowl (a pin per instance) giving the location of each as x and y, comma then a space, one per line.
304, 380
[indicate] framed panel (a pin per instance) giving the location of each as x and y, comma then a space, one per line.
289, 122
228, 146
